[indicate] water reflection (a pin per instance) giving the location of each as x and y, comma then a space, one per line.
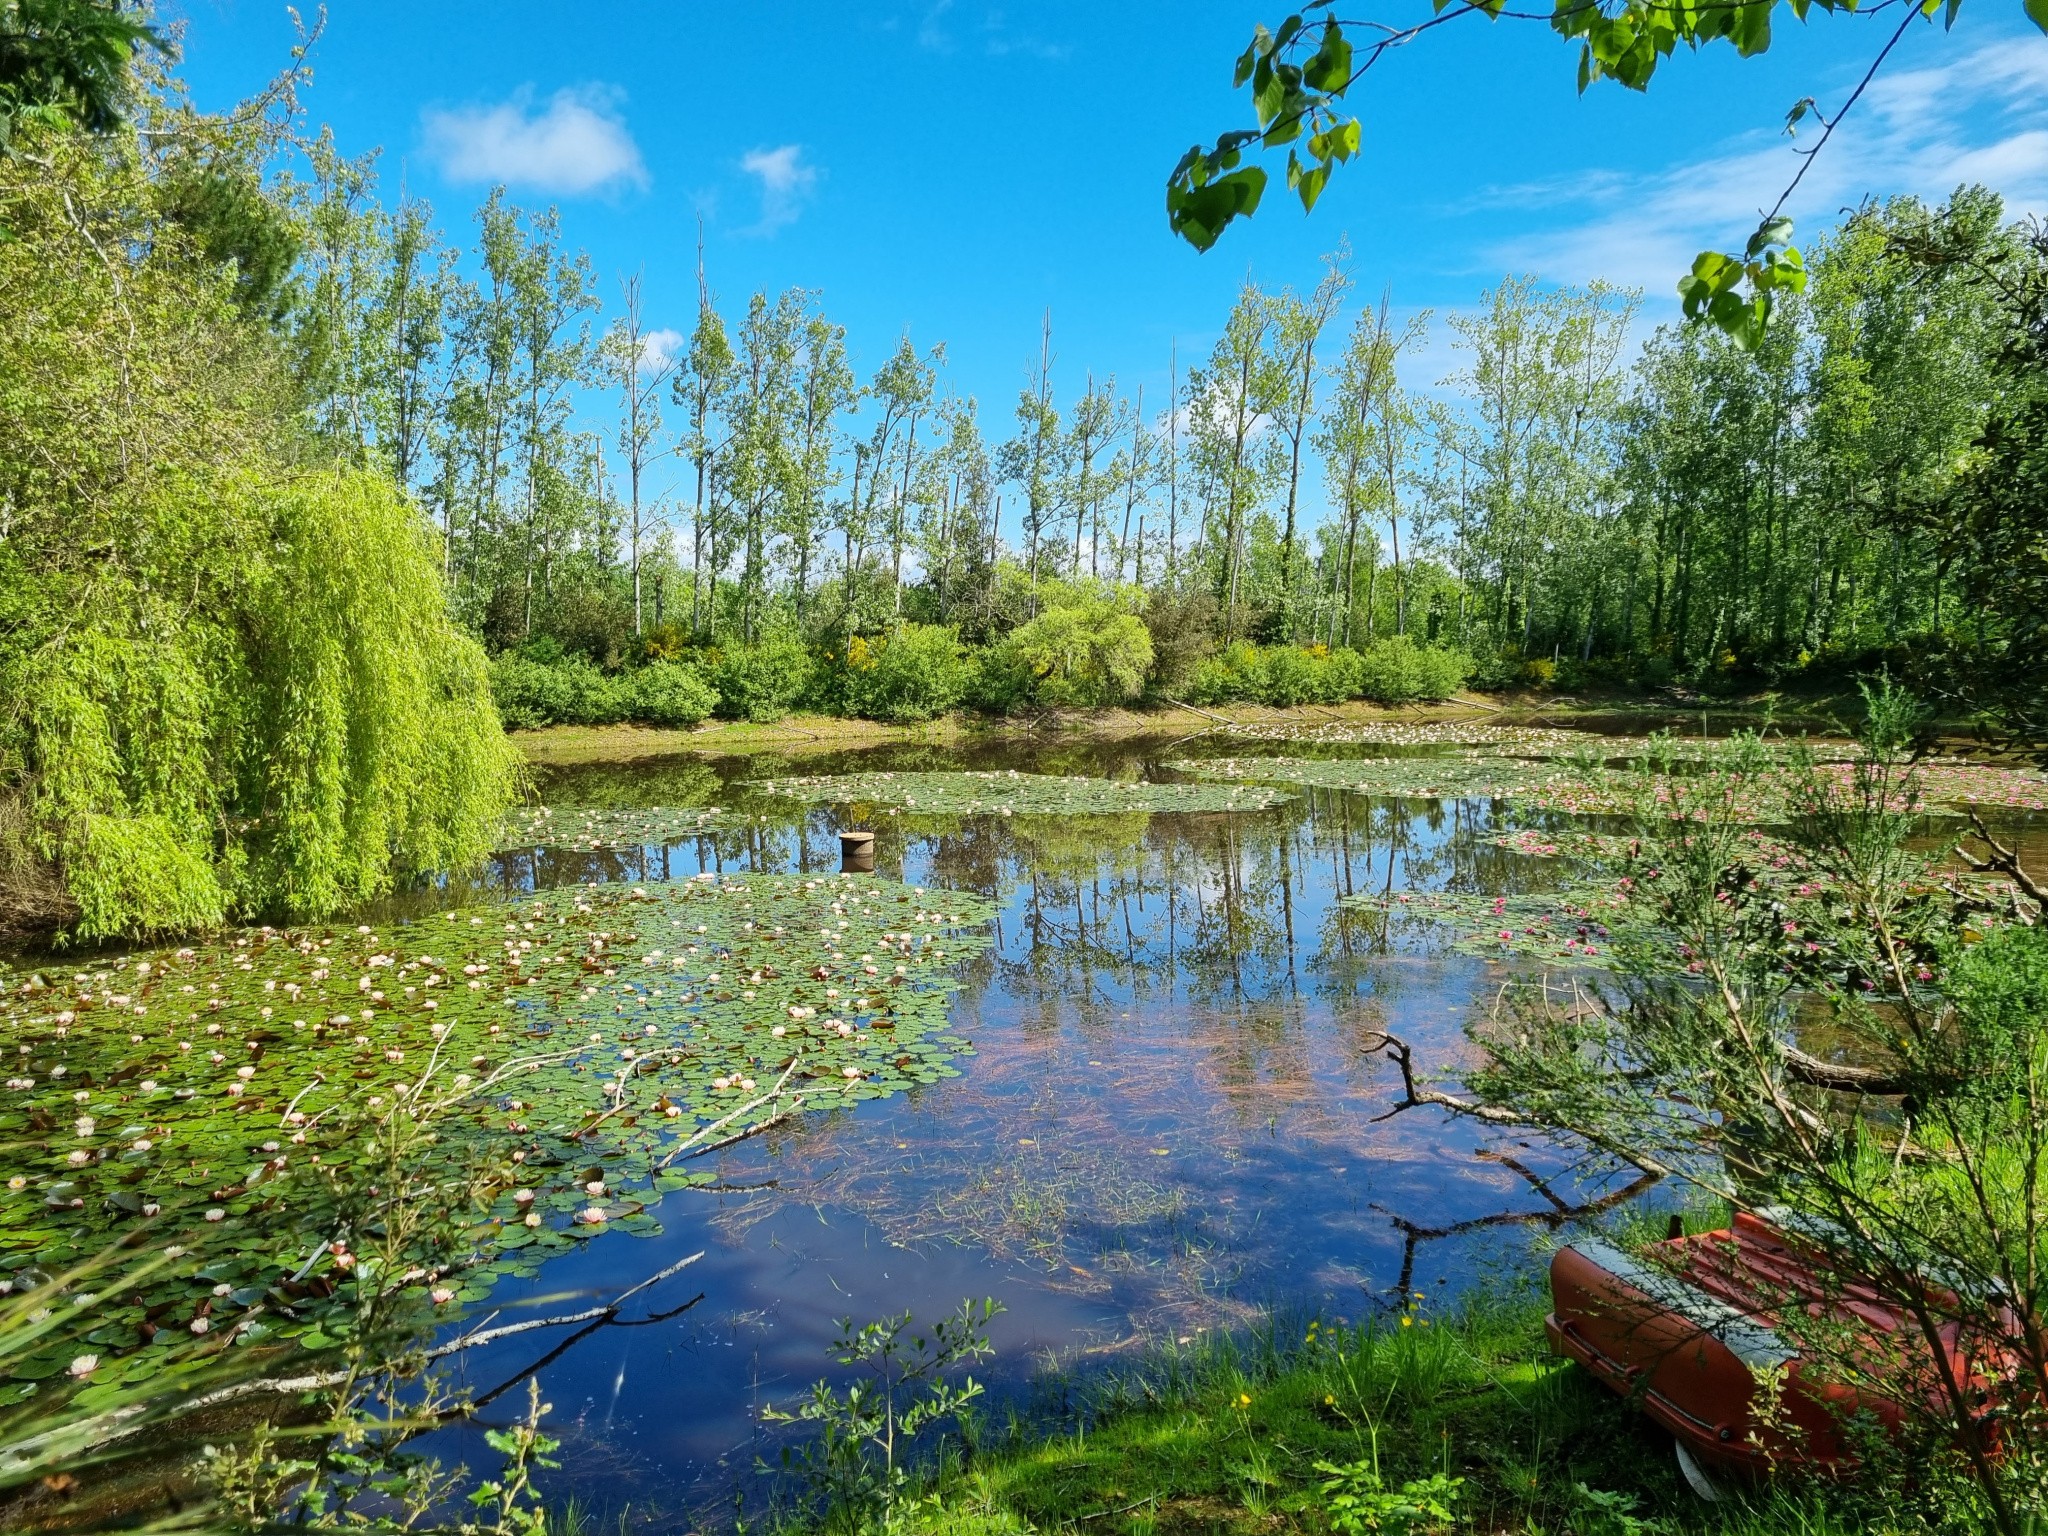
1168, 1124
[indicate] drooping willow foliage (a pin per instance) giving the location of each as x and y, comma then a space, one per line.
228, 680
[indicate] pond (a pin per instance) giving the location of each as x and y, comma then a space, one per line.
1162, 1115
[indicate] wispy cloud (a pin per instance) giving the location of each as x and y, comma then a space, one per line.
575, 144
786, 181
931, 28
660, 348
1980, 116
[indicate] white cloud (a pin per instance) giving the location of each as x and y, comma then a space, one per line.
1980, 116
660, 348
785, 182
577, 143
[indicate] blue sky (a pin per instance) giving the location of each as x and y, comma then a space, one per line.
954, 167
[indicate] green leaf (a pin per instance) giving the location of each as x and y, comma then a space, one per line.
1330, 70
1773, 231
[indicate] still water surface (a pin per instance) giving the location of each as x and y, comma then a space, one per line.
1168, 1124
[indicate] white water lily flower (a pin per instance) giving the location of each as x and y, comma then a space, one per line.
442, 1295
533, 1218
849, 1071
222, 1289
216, 1214
200, 1325
245, 1073
78, 1158
594, 1187
591, 1216
85, 1365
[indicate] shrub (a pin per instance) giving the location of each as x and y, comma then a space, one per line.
1293, 676
1238, 672
1398, 671
666, 693
762, 681
531, 694
914, 673
1183, 631
1088, 654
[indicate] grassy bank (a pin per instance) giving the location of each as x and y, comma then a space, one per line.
1270, 1433
568, 744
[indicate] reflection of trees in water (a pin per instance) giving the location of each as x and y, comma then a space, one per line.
1172, 982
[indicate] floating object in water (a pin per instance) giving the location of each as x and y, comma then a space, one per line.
856, 853
1690, 1333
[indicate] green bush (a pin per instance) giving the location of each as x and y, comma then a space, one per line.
763, 681
571, 691
666, 693
1398, 671
1237, 672
1294, 676
915, 672
1091, 653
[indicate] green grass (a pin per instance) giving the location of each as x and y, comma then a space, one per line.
1224, 1436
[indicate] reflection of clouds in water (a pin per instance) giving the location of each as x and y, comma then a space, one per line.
1168, 1124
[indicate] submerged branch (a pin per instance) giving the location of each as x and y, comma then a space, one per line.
1415, 1095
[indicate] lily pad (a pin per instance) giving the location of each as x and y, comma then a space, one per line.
579, 1038
590, 827
1009, 793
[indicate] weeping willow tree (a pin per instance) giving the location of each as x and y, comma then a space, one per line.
229, 684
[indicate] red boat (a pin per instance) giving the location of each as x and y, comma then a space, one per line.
1691, 1333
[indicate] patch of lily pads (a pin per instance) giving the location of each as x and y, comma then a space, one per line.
1763, 797
567, 1049
594, 828
1575, 927
1009, 793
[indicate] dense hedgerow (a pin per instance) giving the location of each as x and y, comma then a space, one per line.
1390, 671
229, 684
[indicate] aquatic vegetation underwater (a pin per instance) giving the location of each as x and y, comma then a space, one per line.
1008, 793
569, 1049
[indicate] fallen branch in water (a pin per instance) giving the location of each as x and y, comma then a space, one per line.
1414, 1096
285, 1386
2003, 860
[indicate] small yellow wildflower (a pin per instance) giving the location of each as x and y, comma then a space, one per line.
1329, 1400
1244, 1399
1407, 1321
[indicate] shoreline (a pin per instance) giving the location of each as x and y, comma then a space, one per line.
568, 745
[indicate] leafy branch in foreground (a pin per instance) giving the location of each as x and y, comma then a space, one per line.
1299, 73
857, 1465
1897, 1107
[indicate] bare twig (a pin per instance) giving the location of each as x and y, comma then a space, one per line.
288, 1386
